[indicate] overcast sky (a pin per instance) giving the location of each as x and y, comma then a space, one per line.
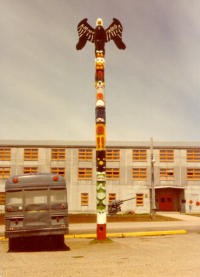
152, 88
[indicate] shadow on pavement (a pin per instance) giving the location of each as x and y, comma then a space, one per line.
37, 244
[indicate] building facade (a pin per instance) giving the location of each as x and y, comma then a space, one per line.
176, 172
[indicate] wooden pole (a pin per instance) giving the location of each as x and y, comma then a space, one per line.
100, 146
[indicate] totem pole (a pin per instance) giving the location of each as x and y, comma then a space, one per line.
99, 36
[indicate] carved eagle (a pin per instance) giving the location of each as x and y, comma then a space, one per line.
99, 36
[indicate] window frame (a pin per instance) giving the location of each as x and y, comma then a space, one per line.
5, 172
167, 155
113, 155
112, 197
194, 158
87, 173
138, 156
84, 199
31, 154
193, 176
30, 170
58, 171
138, 174
58, 154
113, 173
5, 154
166, 173
2, 198
85, 154
139, 199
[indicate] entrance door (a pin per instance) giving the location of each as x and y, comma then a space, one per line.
166, 202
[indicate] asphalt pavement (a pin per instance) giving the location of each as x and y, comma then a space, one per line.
184, 222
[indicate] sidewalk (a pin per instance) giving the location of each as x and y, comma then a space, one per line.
186, 222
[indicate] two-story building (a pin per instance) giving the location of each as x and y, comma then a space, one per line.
176, 171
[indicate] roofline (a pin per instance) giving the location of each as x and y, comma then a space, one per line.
92, 144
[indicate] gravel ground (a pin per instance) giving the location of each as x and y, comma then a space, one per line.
176, 255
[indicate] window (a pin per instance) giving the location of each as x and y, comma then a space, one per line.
4, 172
139, 199
139, 155
193, 155
166, 173
58, 196
112, 173
14, 198
58, 171
2, 198
139, 173
5, 154
85, 155
36, 197
112, 155
28, 170
31, 154
58, 154
166, 155
111, 197
193, 173
85, 173
84, 199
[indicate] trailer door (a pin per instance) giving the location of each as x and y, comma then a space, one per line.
36, 209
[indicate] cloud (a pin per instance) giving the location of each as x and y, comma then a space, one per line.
151, 88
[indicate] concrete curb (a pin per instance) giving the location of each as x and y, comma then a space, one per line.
135, 234
123, 235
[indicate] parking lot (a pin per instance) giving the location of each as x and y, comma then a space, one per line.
175, 255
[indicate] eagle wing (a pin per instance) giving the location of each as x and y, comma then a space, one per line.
85, 32
114, 32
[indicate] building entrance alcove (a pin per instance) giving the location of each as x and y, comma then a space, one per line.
169, 199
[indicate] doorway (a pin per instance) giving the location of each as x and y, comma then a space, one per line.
166, 202
169, 199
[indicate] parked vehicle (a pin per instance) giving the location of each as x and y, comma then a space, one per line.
36, 205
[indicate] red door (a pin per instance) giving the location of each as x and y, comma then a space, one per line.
166, 202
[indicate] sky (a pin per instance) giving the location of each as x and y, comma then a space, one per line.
47, 88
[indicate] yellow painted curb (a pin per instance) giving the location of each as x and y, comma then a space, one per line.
153, 233
81, 236
2, 238
69, 236
136, 234
123, 235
